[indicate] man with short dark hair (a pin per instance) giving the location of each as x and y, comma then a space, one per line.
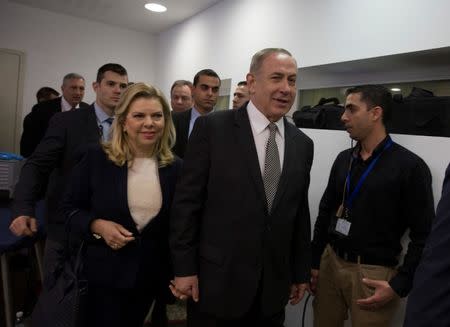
36, 122
376, 191
205, 92
181, 96
240, 95
46, 93
240, 229
64, 143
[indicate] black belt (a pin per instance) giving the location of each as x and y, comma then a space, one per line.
357, 258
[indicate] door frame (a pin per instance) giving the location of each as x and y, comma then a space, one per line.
19, 101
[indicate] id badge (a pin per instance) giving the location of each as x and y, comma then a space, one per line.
343, 226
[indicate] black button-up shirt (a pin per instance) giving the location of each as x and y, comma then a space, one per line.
395, 196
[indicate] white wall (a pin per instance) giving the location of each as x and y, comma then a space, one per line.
56, 44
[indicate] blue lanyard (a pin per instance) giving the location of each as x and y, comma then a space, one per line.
352, 196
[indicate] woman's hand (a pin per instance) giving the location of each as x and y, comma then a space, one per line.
115, 235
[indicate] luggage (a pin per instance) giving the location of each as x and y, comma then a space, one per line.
325, 115
420, 113
64, 304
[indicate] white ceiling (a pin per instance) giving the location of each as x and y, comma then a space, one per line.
125, 13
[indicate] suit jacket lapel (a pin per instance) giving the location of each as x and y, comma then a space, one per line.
246, 143
122, 185
287, 163
164, 183
185, 124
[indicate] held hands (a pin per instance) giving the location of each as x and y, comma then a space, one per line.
313, 281
383, 294
23, 226
297, 293
115, 235
184, 287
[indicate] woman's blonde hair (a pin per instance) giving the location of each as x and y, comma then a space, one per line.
119, 149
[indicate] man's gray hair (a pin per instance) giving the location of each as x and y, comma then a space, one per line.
72, 76
259, 57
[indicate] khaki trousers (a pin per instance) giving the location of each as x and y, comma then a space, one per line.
340, 285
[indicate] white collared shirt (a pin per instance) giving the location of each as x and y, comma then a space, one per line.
103, 125
260, 130
65, 106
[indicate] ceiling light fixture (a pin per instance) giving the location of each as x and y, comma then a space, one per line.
395, 89
155, 7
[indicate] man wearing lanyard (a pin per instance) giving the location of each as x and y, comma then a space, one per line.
376, 191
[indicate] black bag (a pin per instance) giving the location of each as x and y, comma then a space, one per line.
64, 303
308, 117
325, 115
420, 113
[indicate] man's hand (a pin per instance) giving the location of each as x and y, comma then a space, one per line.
115, 235
383, 294
297, 293
185, 287
313, 281
23, 226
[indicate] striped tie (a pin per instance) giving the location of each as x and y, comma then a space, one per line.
272, 169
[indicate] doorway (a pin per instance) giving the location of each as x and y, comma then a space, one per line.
11, 88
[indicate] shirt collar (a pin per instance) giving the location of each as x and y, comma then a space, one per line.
260, 122
378, 149
194, 113
101, 115
65, 106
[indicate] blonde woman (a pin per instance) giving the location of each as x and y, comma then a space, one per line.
119, 201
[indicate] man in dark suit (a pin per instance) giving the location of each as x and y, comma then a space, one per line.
204, 92
240, 227
36, 122
429, 300
51, 163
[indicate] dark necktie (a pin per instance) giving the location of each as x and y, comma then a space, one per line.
109, 122
272, 168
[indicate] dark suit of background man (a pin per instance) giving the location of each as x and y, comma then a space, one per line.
36, 122
63, 145
429, 300
377, 190
240, 228
204, 92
